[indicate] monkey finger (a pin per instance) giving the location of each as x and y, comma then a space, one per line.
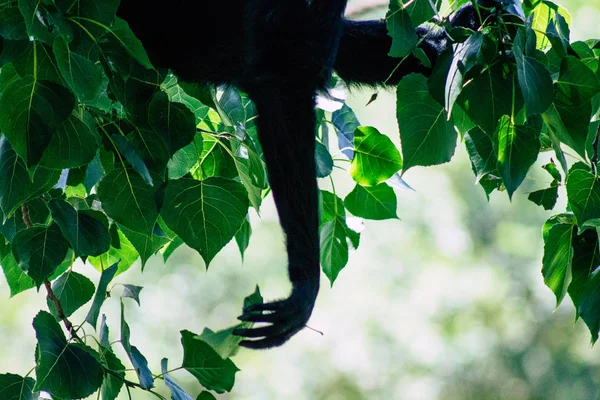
263, 331
255, 317
274, 306
267, 342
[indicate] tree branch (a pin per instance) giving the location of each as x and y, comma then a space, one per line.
51, 296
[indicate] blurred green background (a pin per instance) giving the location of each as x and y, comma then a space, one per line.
447, 303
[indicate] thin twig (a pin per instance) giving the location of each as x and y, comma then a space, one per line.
51, 296
59, 311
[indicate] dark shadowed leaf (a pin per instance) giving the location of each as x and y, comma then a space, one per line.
65, 370
86, 230
205, 214
517, 148
536, 84
113, 380
401, 30
100, 296
174, 122
39, 251
15, 387
345, 123
133, 292
129, 200
73, 145
585, 287
73, 290
427, 137
16, 184
83, 76
177, 393
139, 362
31, 112
558, 255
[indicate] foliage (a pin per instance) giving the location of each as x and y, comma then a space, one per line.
105, 159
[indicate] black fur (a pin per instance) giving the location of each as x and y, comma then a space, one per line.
280, 52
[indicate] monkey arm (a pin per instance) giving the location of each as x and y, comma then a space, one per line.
286, 121
362, 56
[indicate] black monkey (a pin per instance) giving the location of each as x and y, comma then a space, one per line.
280, 52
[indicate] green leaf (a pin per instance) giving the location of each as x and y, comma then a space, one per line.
73, 290
133, 292
558, 255
334, 247
536, 84
553, 171
124, 254
466, 57
205, 214
583, 191
376, 158
584, 290
517, 148
174, 122
224, 342
39, 251
146, 246
323, 160
375, 202
422, 10
73, 144
232, 104
133, 158
12, 24
31, 112
330, 206
545, 197
177, 393
206, 396
242, 237
178, 94
86, 230
489, 96
16, 184
92, 14
345, 123
543, 12
15, 387
202, 361
569, 124
100, 296
400, 29
139, 362
36, 18
481, 152
127, 199
82, 75
427, 137
113, 381
125, 37
577, 84
251, 173
64, 369
17, 280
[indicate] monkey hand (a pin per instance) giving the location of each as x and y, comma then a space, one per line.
285, 317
